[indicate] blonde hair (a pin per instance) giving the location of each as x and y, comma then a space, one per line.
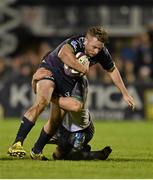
99, 32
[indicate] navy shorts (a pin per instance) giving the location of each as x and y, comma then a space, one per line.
65, 84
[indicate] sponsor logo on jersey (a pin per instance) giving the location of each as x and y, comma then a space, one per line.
74, 44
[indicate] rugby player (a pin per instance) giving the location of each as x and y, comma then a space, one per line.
92, 44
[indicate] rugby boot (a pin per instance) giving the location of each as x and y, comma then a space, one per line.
100, 155
105, 153
38, 156
16, 150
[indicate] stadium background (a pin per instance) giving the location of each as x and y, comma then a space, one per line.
28, 29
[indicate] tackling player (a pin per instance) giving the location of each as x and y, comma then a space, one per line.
92, 44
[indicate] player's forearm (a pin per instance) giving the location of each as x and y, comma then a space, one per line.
66, 55
68, 103
117, 80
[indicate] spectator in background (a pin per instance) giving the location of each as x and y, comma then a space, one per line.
16, 91
15, 64
145, 74
4, 75
92, 75
35, 51
30, 49
3, 70
21, 65
144, 59
128, 58
95, 74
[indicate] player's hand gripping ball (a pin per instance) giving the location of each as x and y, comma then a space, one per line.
82, 59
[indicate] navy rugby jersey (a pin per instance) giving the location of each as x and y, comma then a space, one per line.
77, 43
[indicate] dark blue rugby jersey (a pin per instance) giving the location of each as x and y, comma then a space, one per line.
77, 43
103, 57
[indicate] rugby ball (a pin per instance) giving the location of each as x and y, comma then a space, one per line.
82, 59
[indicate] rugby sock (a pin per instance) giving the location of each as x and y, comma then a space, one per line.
41, 142
24, 129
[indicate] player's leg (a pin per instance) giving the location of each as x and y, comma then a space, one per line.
45, 88
47, 132
91, 155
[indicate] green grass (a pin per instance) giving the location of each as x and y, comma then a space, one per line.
132, 156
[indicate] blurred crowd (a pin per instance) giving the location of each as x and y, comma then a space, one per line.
133, 56
26, 58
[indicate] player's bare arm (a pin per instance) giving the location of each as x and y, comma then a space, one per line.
68, 103
67, 56
116, 78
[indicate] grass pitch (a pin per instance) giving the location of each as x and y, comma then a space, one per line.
132, 156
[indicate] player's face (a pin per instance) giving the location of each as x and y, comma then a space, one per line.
92, 46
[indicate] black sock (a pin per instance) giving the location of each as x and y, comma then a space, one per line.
41, 142
24, 129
